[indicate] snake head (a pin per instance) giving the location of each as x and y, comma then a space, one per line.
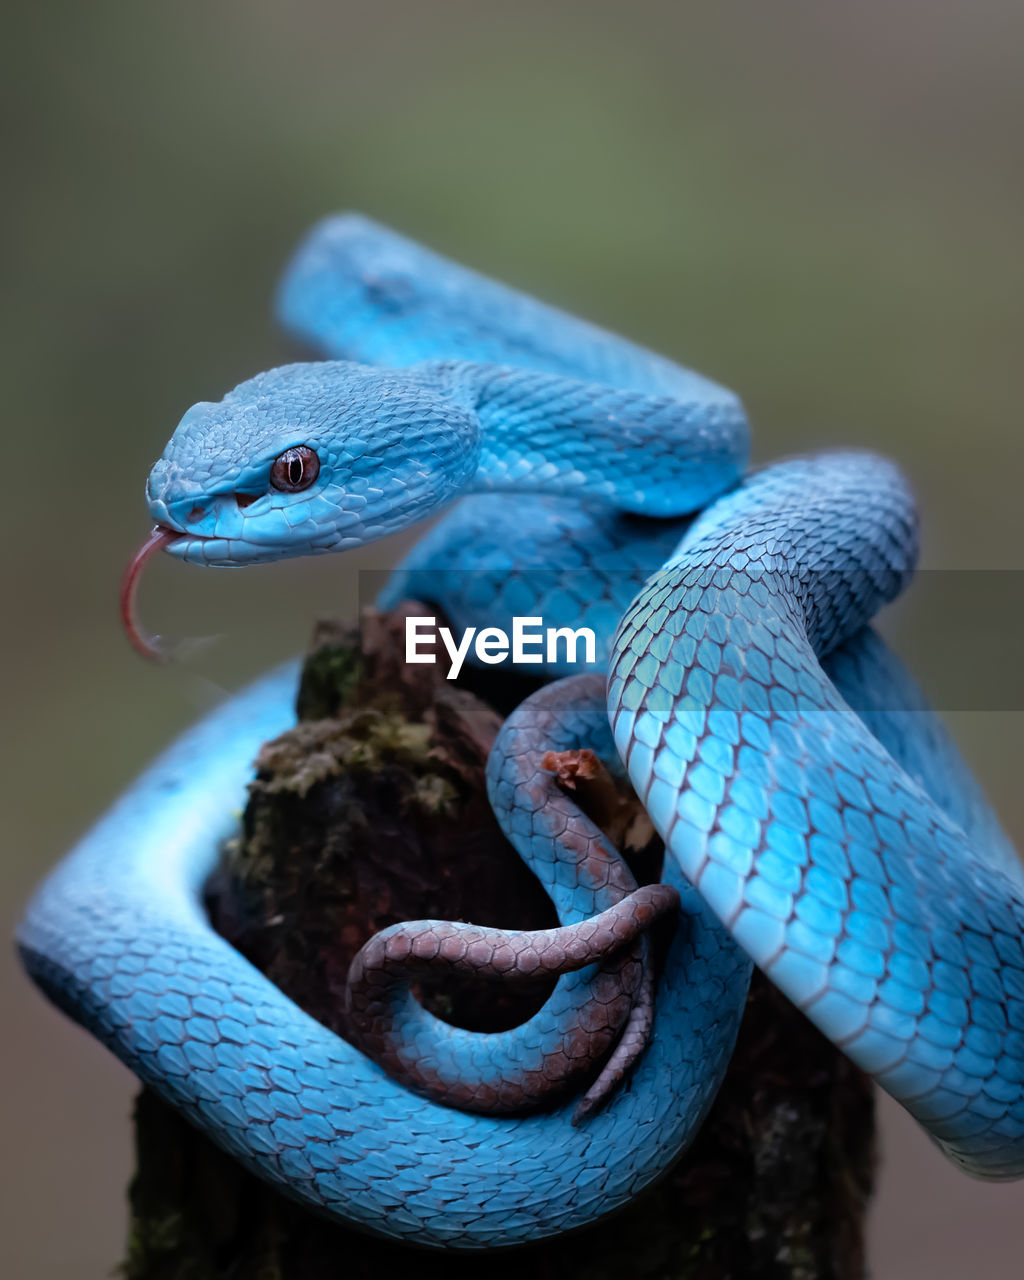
304, 459
310, 458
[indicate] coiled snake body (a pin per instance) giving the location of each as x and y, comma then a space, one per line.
817, 819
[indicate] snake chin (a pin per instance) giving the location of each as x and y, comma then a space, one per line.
195, 548
235, 553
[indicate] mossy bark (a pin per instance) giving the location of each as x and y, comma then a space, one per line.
373, 810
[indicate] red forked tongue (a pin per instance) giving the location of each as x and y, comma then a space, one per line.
149, 646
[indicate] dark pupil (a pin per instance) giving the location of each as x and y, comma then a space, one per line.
295, 469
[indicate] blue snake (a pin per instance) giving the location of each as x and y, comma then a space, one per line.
818, 821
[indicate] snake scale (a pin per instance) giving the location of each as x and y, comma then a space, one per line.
817, 819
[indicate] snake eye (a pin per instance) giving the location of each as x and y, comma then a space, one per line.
295, 469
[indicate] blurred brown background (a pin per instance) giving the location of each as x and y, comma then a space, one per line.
819, 205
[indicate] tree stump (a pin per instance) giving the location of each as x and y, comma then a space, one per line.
373, 810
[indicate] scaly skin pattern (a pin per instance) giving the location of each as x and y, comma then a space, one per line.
835, 870
382, 971
817, 819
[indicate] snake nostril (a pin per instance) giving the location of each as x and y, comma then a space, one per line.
195, 515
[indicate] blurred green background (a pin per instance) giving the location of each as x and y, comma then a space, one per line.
819, 205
